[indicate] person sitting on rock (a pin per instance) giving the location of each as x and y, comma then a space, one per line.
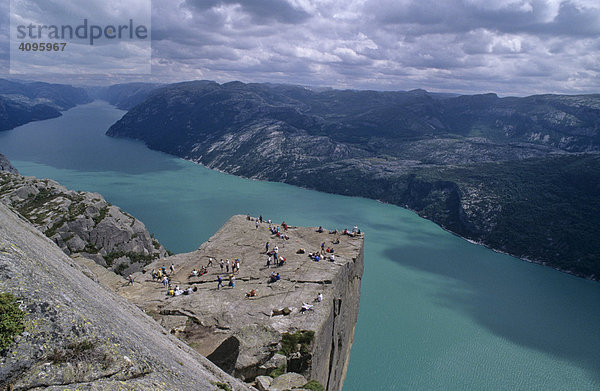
332, 257
252, 293
275, 277
320, 229
337, 241
194, 273
319, 297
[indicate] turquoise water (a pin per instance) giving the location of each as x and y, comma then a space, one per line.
437, 312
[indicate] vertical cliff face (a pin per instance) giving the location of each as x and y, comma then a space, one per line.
78, 335
250, 337
331, 351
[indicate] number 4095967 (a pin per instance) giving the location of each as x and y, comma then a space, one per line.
42, 47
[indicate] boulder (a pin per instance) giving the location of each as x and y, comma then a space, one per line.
288, 381
263, 383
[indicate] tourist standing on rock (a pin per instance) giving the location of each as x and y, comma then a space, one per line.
231, 281
260, 218
219, 282
267, 247
166, 281
130, 278
268, 261
222, 263
227, 266
210, 263
256, 224
172, 268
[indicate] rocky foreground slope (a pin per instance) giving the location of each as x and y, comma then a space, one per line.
495, 170
81, 223
267, 334
78, 335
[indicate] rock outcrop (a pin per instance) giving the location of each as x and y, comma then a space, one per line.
79, 335
6, 166
82, 223
250, 335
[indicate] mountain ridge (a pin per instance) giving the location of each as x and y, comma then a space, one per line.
412, 149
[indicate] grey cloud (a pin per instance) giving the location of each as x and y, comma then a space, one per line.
261, 11
505, 46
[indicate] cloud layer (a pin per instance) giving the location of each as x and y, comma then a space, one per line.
506, 46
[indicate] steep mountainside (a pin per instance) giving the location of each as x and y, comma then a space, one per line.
22, 102
433, 153
67, 332
82, 223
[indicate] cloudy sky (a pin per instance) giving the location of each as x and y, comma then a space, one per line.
512, 47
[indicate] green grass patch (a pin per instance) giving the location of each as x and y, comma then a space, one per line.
223, 386
314, 385
101, 215
12, 320
299, 341
278, 371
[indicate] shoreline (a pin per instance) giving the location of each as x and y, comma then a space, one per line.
473, 241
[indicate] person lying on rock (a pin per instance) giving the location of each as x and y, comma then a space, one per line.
306, 307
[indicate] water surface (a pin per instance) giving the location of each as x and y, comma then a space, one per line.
437, 312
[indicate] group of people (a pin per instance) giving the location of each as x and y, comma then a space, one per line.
307, 307
220, 282
197, 273
235, 265
161, 273
178, 291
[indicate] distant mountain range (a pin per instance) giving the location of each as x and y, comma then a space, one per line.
521, 175
23, 102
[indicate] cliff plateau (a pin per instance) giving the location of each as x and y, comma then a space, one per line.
250, 336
